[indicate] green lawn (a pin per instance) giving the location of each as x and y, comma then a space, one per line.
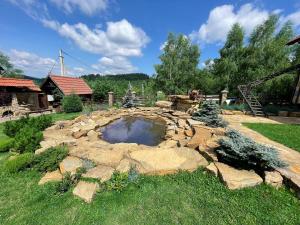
285, 134
196, 198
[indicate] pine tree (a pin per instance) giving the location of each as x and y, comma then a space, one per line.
209, 114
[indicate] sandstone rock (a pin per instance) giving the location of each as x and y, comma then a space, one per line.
124, 166
168, 144
169, 160
181, 123
78, 134
227, 112
50, 177
92, 135
189, 133
211, 168
192, 122
201, 136
103, 173
163, 104
235, 178
86, 190
220, 131
273, 178
70, 164
208, 153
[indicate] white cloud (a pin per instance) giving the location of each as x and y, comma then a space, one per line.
114, 65
34, 8
222, 18
120, 38
294, 18
30, 63
88, 7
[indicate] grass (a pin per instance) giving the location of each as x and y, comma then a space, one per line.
185, 198
64, 116
286, 134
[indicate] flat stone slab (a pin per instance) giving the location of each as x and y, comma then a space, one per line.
273, 178
237, 179
162, 161
201, 136
211, 168
51, 177
70, 164
192, 122
103, 173
86, 190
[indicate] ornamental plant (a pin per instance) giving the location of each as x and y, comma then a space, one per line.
209, 114
72, 103
240, 151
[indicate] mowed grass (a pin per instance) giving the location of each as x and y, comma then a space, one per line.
286, 134
64, 116
185, 198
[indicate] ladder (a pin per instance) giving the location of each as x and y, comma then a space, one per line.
252, 101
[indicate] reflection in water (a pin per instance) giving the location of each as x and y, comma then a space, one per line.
135, 130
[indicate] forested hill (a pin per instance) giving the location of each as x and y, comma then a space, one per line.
118, 77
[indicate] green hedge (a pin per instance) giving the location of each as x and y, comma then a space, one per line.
27, 139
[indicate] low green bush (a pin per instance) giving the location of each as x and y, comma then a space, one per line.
240, 151
18, 163
72, 103
27, 139
119, 181
209, 114
11, 128
237, 107
49, 159
6, 144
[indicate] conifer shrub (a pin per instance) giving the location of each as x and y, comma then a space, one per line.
27, 139
242, 152
18, 163
72, 103
6, 144
209, 114
49, 160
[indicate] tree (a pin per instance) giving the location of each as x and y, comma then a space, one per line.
100, 90
178, 68
9, 70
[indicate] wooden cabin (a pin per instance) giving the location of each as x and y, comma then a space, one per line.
56, 87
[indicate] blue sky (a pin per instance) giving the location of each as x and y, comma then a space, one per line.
122, 36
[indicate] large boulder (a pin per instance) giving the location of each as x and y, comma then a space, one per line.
103, 173
51, 177
201, 136
236, 178
167, 160
86, 190
164, 104
70, 164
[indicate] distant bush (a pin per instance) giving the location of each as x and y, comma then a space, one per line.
50, 159
72, 103
11, 128
209, 114
27, 139
6, 145
237, 107
18, 163
243, 152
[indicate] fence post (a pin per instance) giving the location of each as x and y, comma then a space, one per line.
223, 98
110, 99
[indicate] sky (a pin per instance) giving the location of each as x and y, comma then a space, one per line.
122, 36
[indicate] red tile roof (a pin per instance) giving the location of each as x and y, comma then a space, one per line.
293, 41
18, 83
69, 85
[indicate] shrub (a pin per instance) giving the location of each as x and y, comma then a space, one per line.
243, 152
11, 128
27, 139
119, 181
6, 145
18, 163
160, 96
238, 107
209, 114
69, 180
50, 159
72, 103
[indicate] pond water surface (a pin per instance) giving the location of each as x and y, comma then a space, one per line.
138, 130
